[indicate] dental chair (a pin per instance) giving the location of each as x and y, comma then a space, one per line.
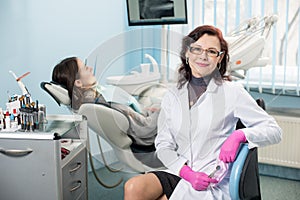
111, 125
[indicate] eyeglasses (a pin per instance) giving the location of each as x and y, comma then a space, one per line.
209, 52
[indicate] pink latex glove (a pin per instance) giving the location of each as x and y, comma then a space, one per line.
199, 180
231, 146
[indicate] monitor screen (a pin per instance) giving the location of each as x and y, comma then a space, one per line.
156, 12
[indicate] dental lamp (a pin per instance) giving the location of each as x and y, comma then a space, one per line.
246, 45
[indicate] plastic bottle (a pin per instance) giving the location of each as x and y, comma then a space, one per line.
13, 122
1, 119
7, 120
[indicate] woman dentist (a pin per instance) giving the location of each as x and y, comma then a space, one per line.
196, 125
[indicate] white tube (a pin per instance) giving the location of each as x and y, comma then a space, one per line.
164, 53
154, 63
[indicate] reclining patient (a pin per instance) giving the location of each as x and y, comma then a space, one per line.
82, 87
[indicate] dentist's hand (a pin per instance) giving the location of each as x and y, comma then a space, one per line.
231, 146
199, 180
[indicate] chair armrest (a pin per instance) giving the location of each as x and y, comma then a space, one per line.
236, 171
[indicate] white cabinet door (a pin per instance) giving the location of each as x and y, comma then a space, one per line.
30, 169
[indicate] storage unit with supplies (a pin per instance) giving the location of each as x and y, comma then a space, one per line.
49, 164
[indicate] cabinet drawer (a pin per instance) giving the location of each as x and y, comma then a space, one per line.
74, 176
74, 190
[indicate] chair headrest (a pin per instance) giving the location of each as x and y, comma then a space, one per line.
58, 92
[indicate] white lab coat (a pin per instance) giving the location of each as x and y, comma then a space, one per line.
195, 136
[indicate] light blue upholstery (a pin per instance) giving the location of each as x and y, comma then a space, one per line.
236, 172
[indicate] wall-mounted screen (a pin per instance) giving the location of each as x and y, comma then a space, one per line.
156, 12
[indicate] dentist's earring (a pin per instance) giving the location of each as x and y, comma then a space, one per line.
187, 60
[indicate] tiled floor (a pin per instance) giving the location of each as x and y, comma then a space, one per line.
97, 192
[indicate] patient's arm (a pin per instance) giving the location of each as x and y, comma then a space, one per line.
152, 109
143, 128
147, 118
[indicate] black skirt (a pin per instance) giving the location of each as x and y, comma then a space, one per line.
168, 181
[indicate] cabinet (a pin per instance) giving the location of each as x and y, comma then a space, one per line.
32, 166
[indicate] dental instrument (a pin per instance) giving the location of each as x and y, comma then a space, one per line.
20, 83
154, 63
213, 173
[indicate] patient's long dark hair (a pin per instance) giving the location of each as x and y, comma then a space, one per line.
65, 73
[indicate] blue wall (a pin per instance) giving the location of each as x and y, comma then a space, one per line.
35, 35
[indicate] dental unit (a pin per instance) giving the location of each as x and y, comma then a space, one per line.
136, 81
246, 44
